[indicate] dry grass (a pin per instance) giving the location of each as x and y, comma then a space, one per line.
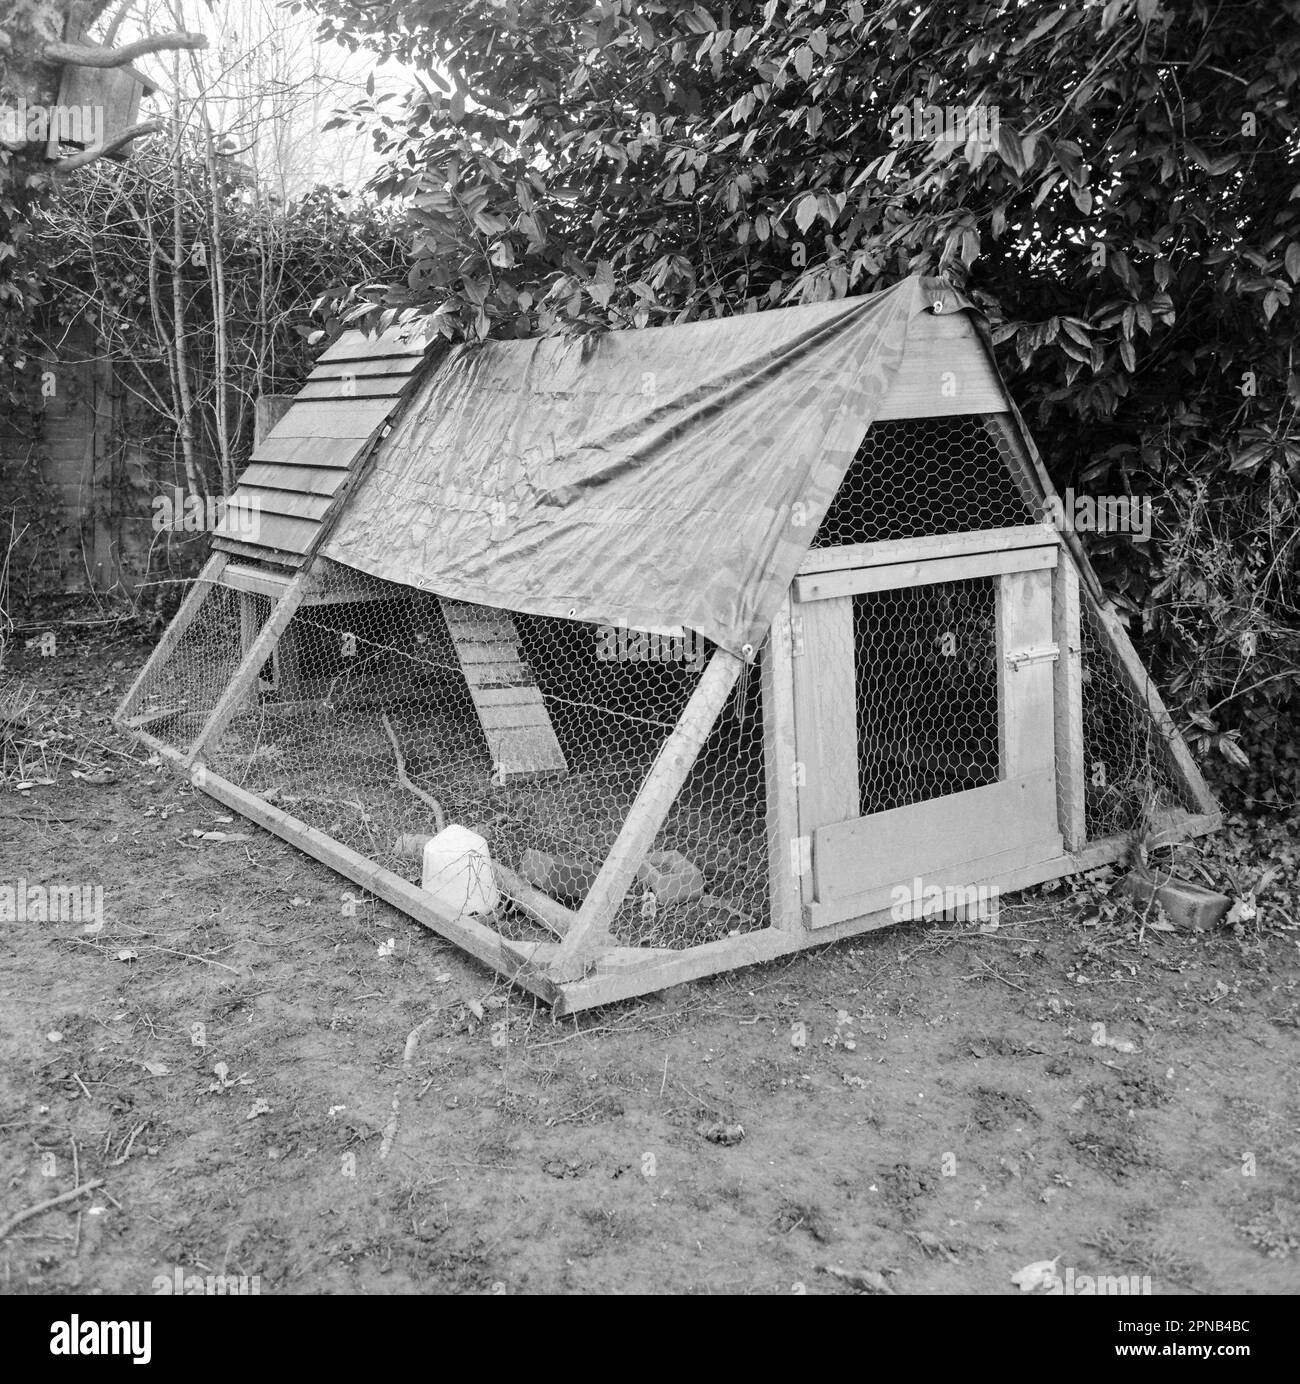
10, 543
22, 753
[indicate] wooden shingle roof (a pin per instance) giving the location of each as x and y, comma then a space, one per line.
304, 466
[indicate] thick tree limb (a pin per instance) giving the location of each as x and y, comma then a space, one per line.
79, 55
115, 23
150, 127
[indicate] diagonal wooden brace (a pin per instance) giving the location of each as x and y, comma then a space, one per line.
258, 652
646, 816
1139, 680
184, 617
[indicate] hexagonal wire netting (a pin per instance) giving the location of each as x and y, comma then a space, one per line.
926, 657
1129, 773
385, 712
927, 692
535, 733
914, 477
180, 693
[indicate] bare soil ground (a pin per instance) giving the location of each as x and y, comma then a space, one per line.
948, 1118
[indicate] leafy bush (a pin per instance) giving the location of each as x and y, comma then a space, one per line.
1131, 227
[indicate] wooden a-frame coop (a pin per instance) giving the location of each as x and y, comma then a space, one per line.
730, 639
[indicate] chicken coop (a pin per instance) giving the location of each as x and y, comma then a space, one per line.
725, 639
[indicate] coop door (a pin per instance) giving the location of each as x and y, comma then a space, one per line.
923, 721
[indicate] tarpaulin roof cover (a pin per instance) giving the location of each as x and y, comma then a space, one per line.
662, 477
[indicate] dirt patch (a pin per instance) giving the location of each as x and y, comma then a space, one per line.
993, 1110
906, 1189
973, 1127
804, 1216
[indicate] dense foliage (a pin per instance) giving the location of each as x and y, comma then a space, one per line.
1131, 227
245, 296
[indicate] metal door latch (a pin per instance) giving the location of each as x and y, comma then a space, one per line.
1043, 654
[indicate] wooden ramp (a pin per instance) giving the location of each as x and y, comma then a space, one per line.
509, 702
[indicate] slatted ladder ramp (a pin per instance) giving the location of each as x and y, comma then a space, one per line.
506, 696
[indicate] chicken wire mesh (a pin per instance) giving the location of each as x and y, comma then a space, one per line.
180, 693
927, 692
536, 733
918, 477
1129, 774
930, 710
384, 711
926, 671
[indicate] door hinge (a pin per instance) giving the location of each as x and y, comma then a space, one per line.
1044, 653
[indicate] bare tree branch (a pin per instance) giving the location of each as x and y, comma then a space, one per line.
150, 127
79, 55
115, 23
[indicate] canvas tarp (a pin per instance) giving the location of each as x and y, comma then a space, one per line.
673, 476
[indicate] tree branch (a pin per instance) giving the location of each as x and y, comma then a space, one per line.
79, 55
115, 23
86, 156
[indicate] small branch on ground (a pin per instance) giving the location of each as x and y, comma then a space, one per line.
14, 1221
408, 1056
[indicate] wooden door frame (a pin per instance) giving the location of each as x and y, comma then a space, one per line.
1017, 561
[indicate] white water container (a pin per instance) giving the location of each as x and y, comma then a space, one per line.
458, 871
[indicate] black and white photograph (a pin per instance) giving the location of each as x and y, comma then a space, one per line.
649, 648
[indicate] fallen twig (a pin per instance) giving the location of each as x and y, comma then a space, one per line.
997, 975
49, 1205
190, 956
126, 1151
76, 1182
408, 1056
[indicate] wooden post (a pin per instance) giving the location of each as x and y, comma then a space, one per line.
620, 974
1145, 690
825, 729
647, 814
246, 674
247, 622
1070, 767
1025, 713
777, 674
268, 409
826, 713
285, 671
184, 617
